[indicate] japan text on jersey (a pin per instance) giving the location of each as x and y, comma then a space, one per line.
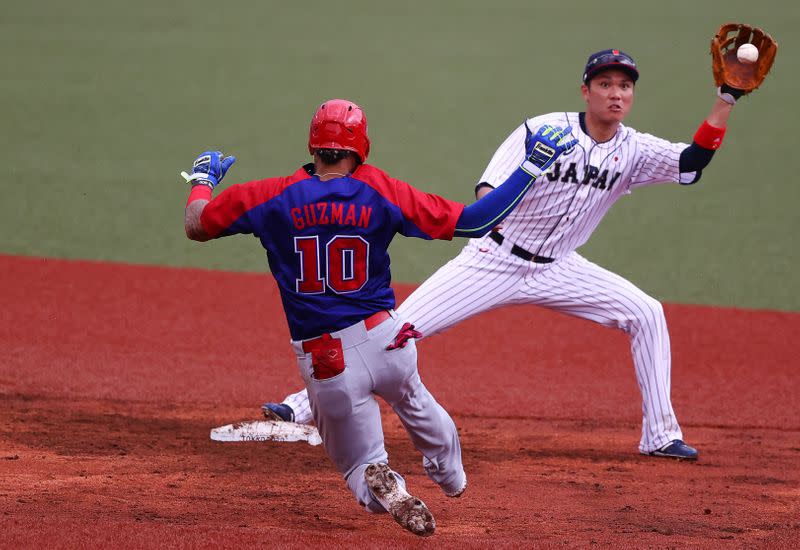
567, 204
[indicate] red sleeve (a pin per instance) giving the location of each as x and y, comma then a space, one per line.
225, 214
433, 215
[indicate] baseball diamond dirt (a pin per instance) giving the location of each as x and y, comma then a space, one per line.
108, 397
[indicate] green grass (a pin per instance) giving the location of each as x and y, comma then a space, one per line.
105, 102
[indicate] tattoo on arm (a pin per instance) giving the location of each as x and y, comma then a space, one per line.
191, 221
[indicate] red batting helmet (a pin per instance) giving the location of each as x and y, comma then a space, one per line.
339, 124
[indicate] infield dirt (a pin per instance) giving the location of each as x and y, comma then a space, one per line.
112, 376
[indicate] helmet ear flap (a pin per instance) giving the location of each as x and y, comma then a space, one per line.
339, 124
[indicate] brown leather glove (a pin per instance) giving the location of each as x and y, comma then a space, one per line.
728, 70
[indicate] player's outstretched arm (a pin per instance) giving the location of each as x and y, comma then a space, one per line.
706, 140
191, 219
741, 58
708, 137
720, 112
541, 151
208, 170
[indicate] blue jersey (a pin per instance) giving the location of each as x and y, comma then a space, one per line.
327, 241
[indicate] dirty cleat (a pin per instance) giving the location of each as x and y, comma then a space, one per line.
676, 449
278, 411
407, 510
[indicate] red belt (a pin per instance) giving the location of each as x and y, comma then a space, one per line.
376, 319
369, 323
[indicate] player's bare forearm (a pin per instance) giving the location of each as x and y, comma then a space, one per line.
720, 111
706, 140
191, 221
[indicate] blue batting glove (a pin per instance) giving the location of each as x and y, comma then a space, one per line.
544, 147
209, 168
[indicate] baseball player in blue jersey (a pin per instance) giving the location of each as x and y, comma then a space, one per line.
326, 229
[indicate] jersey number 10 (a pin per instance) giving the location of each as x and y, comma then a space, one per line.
345, 260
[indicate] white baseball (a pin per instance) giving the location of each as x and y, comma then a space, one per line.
747, 53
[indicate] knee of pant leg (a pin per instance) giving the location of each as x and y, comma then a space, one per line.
656, 311
647, 311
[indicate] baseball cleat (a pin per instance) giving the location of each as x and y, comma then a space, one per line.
278, 411
407, 510
676, 449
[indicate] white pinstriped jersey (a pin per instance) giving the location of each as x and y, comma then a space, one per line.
566, 205
554, 218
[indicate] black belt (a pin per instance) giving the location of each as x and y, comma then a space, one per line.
520, 252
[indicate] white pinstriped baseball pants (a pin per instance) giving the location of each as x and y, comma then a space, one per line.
571, 285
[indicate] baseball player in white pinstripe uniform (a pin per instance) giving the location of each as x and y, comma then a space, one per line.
532, 258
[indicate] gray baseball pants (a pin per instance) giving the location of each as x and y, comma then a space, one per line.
348, 417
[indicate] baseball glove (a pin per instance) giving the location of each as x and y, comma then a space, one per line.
728, 69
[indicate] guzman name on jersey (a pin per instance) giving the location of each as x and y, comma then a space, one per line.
325, 213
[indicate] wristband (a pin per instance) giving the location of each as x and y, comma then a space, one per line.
729, 95
200, 191
531, 168
709, 137
735, 92
727, 98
